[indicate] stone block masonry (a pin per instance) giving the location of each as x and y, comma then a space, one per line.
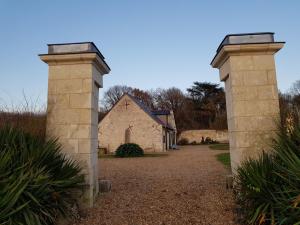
144, 131
196, 135
248, 70
75, 76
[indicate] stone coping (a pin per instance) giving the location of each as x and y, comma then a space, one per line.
74, 48
244, 49
76, 58
247, 38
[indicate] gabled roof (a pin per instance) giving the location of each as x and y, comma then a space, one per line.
161, 112
148, 111
145, 109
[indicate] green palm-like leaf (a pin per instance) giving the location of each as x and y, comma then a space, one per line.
32, 171
268, 188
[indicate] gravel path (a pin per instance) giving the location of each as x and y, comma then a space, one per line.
185, 187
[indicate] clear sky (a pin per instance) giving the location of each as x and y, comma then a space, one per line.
147, 44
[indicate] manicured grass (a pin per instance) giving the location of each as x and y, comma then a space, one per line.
224, 158
219, 146
111, 156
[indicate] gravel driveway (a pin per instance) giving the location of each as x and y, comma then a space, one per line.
185, 187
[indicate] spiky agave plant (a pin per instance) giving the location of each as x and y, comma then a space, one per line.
37, 182
268, 188
253, 189
287, 164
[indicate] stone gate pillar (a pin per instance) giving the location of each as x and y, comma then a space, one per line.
75, 76
246, 65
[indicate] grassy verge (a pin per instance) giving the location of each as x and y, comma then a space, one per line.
111, 156
224, 158
219, 146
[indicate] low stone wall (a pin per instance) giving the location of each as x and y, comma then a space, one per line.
196, 135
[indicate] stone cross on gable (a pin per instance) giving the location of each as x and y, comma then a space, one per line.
126, 104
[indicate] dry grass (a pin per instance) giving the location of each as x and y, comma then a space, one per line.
28, 115
33, 123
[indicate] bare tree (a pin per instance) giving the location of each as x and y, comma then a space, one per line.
204, 107
172, 98
113, 94
295, 89
295, 94
144, 96
290, 103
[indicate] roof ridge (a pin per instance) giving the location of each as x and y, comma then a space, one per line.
147, 110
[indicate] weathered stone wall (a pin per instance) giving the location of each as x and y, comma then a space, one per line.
172, 121
168, 119
253, 106
144, 131
249, 74
171, 135
196, 135
72, 111
73, 115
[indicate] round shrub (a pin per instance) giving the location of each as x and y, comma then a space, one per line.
38, 183
129, 150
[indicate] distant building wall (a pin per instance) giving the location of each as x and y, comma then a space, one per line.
168, 119
196, 135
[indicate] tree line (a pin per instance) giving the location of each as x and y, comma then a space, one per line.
203, 105
289, 103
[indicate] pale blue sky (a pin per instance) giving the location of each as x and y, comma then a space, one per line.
147, 44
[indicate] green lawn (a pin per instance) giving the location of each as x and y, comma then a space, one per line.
110, 156
224, 158
219, 146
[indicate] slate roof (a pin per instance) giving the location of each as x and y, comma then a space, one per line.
152, 114
161, 112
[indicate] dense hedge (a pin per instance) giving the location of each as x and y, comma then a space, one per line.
37, 182
129, 150
268, 189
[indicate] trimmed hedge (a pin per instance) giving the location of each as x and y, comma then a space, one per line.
129, 150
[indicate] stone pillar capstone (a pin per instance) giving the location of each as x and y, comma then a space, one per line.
75, 76
246, 65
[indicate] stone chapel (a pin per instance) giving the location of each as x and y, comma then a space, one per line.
131, 121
